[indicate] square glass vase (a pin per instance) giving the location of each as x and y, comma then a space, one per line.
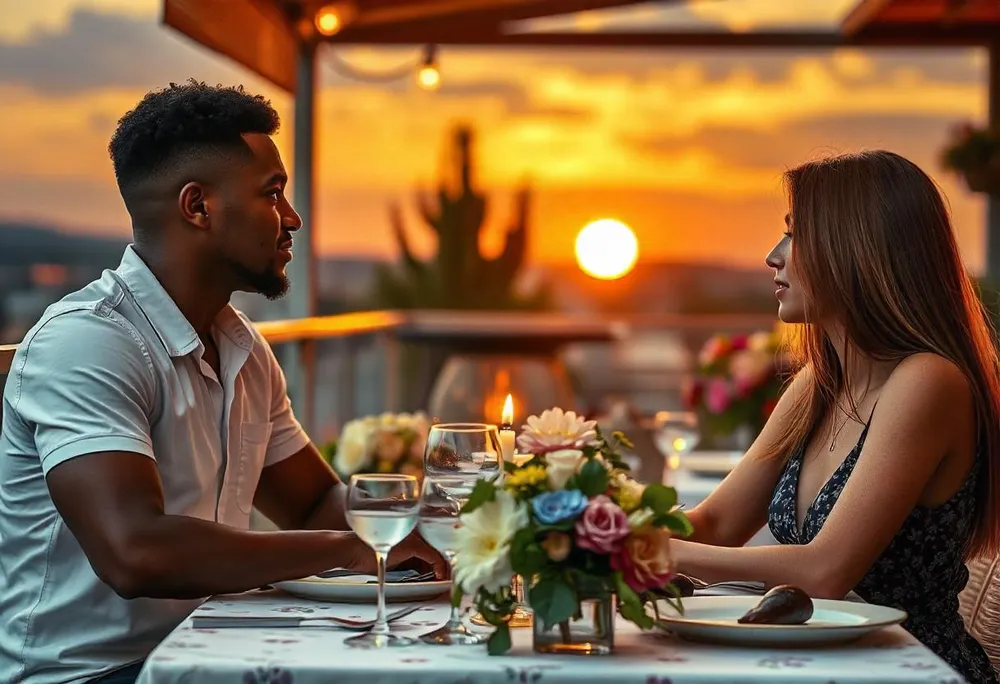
590, 632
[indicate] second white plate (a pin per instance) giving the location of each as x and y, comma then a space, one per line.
713, 619
353, 590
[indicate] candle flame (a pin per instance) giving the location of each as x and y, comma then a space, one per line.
507, 415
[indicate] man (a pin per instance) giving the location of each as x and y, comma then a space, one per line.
144, 417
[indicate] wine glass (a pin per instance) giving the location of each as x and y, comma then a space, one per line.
382, 510
470, 451
676, 434
440, 504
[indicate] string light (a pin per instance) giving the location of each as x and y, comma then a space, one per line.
429, 77
330, 19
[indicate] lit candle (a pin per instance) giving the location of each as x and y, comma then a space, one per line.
506, 429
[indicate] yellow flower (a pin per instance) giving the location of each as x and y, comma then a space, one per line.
628, 500
525, 477
629, 492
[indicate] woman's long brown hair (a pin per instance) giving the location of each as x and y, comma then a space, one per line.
873, 249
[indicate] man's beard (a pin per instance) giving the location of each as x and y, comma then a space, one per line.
267, 282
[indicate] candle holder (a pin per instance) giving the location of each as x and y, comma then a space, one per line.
521, 617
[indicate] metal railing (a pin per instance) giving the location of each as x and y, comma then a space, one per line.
349, 364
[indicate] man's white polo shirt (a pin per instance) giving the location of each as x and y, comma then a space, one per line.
117, 367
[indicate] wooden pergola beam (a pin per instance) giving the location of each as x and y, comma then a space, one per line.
480, 11
486, 36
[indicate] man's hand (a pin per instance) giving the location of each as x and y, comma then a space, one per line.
411, 552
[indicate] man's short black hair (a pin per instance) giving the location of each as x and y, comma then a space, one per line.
171, 126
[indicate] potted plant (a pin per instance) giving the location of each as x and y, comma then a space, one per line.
974, 154
736, 385
388, 443
584, 536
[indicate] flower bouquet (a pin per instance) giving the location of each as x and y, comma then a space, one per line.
974, 154
566, 517
737, 383
389, 443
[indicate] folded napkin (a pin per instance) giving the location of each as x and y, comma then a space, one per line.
355, 576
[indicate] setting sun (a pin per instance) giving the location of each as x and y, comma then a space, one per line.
606, 249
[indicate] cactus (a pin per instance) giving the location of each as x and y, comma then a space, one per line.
459, 277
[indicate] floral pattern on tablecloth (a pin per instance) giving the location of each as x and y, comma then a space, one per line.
317, 655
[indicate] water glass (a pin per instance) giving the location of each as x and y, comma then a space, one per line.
469, 451
382, 510
440, 504
676, 434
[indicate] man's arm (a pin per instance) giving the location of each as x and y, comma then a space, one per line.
302, 493
299, 491
113, 504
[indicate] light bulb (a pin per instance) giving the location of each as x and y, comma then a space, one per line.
328, 20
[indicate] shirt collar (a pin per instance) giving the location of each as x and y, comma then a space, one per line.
174, 329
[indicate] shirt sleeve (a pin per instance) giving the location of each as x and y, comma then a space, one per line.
287, 435
84, 384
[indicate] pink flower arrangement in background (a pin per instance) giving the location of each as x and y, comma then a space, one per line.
737, 382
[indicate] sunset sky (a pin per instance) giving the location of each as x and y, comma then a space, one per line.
687, 147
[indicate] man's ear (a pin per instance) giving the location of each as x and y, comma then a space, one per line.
193, 204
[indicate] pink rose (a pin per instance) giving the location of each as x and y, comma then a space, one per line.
739, 342
644, 559
602, 526
717, 395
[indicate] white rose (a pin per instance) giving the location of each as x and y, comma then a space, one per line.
562, 465
353, 452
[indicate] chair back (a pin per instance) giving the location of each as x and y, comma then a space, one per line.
979, 604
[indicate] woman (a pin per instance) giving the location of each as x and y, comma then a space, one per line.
879, 469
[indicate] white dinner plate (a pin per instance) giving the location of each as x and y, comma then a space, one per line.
713, 619
710, 463
358, 589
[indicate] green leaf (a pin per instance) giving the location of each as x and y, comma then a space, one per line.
592, 478
499, 642
553, 601
676, 522
483, 492
636, 613
457, 595
626, 594
509, 467
526, 556
659, 498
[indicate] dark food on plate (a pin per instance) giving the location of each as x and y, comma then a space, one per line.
782, 605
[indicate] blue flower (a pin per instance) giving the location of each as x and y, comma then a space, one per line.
553, 507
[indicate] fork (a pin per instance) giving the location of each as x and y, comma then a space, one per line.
732, 584
228, 621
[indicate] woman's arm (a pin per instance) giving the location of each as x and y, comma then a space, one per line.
737, 509
925, 413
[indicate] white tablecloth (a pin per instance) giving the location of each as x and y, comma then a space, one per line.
318, 656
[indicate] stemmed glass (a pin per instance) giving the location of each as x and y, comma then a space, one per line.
382, 510
440, 504
468, 451
676, 434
